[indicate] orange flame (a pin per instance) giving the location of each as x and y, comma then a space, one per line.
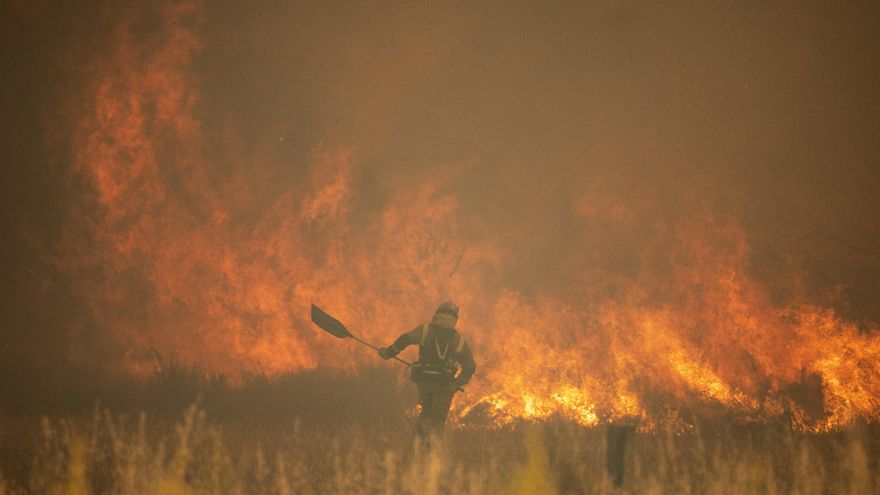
170, 251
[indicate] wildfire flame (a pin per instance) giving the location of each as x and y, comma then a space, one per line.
172, 245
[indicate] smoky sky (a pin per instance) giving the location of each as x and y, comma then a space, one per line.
766, 113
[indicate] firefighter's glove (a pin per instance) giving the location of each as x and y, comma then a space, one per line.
385, 353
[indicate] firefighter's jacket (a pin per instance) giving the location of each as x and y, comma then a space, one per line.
438, 347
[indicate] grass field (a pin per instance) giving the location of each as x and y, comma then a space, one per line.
322, 434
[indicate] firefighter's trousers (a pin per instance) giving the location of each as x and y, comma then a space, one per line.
434, 399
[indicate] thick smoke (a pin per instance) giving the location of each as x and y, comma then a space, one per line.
633, 206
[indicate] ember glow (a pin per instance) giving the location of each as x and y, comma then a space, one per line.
184, 238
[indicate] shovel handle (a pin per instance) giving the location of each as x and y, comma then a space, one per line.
371, 346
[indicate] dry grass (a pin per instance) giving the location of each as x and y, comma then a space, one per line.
108, 453
329, 434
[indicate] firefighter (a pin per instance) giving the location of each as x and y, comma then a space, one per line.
441, 351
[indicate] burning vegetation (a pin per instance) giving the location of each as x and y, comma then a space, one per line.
177, 241
639, 238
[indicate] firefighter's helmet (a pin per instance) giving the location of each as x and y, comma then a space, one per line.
449, 308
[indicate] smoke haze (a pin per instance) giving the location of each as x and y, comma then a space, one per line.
625, 199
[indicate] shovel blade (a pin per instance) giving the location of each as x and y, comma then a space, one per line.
328, 323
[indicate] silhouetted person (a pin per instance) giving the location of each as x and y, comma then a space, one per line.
441, 351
